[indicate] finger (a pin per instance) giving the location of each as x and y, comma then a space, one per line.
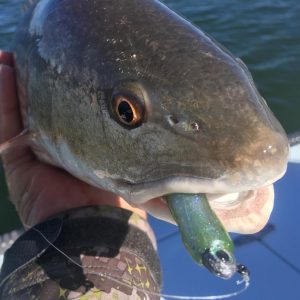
158, 209
10, 119
6, 58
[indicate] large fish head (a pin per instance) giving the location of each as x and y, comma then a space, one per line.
145, 104
185, 115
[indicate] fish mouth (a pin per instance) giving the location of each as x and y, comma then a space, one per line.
240, 209
245, 212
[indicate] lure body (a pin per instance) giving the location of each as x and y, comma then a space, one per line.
202, 233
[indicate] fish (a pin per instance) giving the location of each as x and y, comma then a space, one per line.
130, 97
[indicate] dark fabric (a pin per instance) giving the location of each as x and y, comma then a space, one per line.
104, 242
8, 238
29, 246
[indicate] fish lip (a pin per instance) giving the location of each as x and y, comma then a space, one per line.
231, 200
142, 192
248, 213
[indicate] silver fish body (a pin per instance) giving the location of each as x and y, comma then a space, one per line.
205, 128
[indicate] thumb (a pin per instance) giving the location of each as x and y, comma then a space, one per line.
10, 119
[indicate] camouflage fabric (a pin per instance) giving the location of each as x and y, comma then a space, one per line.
114, 248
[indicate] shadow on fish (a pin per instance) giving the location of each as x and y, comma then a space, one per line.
130, 97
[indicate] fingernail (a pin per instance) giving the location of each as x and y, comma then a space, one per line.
6, 58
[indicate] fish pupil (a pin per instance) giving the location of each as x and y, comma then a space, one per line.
128, 110
125, 112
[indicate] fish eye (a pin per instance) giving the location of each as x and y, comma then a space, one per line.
128, 110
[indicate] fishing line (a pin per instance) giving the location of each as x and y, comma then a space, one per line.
244, 280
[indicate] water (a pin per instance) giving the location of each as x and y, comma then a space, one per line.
265, 34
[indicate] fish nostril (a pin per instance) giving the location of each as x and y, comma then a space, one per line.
172, 120
195, 126
187, 126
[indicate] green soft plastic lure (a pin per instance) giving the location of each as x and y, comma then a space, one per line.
204, 235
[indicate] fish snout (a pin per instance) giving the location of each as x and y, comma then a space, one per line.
263, 160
